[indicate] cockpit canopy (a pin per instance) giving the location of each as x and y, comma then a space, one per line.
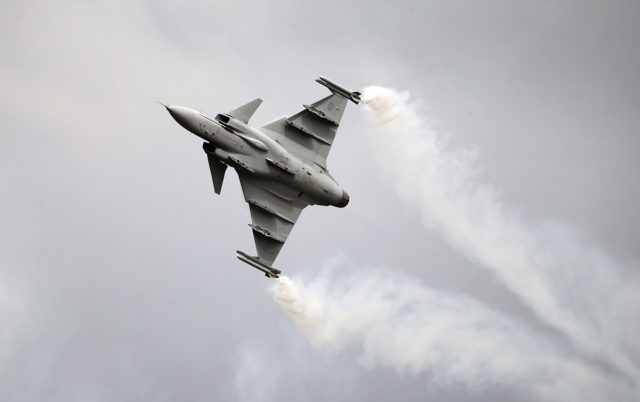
223, 118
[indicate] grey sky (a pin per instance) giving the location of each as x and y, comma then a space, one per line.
118, 277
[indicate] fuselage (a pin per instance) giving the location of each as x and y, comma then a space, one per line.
250, 151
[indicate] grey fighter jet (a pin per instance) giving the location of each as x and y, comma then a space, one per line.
282, 166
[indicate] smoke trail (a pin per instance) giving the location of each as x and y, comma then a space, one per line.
414, 329
577, 289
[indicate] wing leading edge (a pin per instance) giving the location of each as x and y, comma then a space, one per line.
274, 211
310, 132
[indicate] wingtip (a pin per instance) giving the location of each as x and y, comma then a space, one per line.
339, 90
269, 271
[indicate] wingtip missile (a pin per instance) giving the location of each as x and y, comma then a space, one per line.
269, 272
353, 96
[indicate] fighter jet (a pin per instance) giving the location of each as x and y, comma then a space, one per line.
282, 166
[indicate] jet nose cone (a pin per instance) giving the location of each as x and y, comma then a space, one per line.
181, 114
174, 111
344, 200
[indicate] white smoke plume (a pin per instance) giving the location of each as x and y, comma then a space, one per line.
575, 288
401, 324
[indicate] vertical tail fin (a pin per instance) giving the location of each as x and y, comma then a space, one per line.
245, 111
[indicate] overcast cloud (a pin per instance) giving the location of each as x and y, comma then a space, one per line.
118, 277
